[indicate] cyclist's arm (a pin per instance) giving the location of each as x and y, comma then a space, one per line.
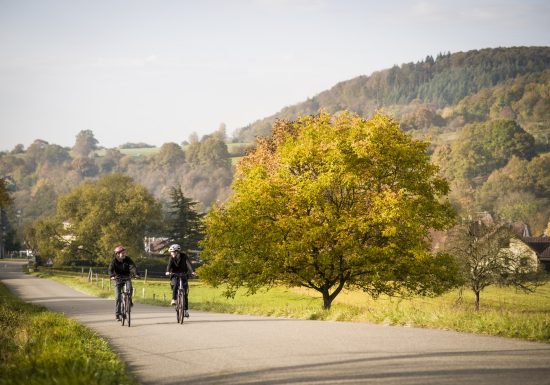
189, 266
112, 270
169, 266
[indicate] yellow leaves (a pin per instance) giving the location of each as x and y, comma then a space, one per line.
389, 231
329, 196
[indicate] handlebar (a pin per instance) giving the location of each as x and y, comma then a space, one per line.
180, 274
122, 278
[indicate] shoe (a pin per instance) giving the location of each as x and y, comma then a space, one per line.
118, 317
173, 303
186, 314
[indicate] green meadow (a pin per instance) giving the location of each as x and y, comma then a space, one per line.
504, 311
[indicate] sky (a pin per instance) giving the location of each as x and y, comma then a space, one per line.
158, 71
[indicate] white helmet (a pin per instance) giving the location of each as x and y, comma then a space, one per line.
174, 247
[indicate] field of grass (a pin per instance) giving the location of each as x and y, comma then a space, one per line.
504, 311
40, 347
145, 151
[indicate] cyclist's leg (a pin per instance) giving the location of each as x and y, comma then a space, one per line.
175, 286
118, 298
186, 291
131, 289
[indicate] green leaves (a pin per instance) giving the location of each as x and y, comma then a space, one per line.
327, 202
95, 217
184, 223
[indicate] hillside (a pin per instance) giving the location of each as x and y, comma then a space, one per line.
437, 85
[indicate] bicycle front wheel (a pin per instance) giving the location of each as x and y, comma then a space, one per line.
128, 310
180, 307
123, 308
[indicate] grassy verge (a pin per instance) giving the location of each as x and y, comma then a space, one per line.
42, 347
504, 311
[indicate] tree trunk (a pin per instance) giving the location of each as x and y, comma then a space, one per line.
327, 297
327, 300
477, 299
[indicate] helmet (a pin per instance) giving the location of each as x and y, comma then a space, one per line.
119, 249
174, 247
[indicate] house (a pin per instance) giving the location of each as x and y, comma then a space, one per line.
541, 246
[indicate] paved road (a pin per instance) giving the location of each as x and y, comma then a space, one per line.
215, 348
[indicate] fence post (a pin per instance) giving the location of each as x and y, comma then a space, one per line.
90, 275
145, 279
96, 279
82, 272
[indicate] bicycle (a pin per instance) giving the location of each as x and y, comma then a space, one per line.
126, 301
180, 299
126, 305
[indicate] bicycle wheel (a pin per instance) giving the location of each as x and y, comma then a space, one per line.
123, 308
128, 309
180, 307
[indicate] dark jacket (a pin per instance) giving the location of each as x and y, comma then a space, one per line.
122, 268
179, 265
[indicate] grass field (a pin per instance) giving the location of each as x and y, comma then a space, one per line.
40, 347
145, 151
504, 311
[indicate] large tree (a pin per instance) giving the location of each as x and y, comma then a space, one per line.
96, 216
330, 202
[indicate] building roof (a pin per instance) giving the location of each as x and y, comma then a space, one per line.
541, 245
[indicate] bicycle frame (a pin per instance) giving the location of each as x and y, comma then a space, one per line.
126, 307
180, 300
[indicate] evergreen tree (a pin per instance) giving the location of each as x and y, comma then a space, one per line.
184, 222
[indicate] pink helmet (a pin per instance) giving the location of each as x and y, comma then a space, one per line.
119, 249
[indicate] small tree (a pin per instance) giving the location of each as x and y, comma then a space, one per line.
482, 249
331, 202
183, 221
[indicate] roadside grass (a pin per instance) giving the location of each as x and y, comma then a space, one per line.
504, 311
40, 347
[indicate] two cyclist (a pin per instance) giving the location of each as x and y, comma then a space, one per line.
120, 270
179, 264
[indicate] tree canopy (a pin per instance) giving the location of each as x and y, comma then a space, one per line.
85, 143
330, 202
484, 147
95, 217
183, 222
5, 198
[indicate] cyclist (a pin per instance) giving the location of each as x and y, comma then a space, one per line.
179, 263
120, 269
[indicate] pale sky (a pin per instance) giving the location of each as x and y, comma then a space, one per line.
156, 71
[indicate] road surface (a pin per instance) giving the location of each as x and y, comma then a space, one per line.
213, 348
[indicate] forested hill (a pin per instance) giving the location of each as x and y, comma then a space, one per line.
440, 82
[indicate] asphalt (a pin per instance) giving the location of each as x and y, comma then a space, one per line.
212, 348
